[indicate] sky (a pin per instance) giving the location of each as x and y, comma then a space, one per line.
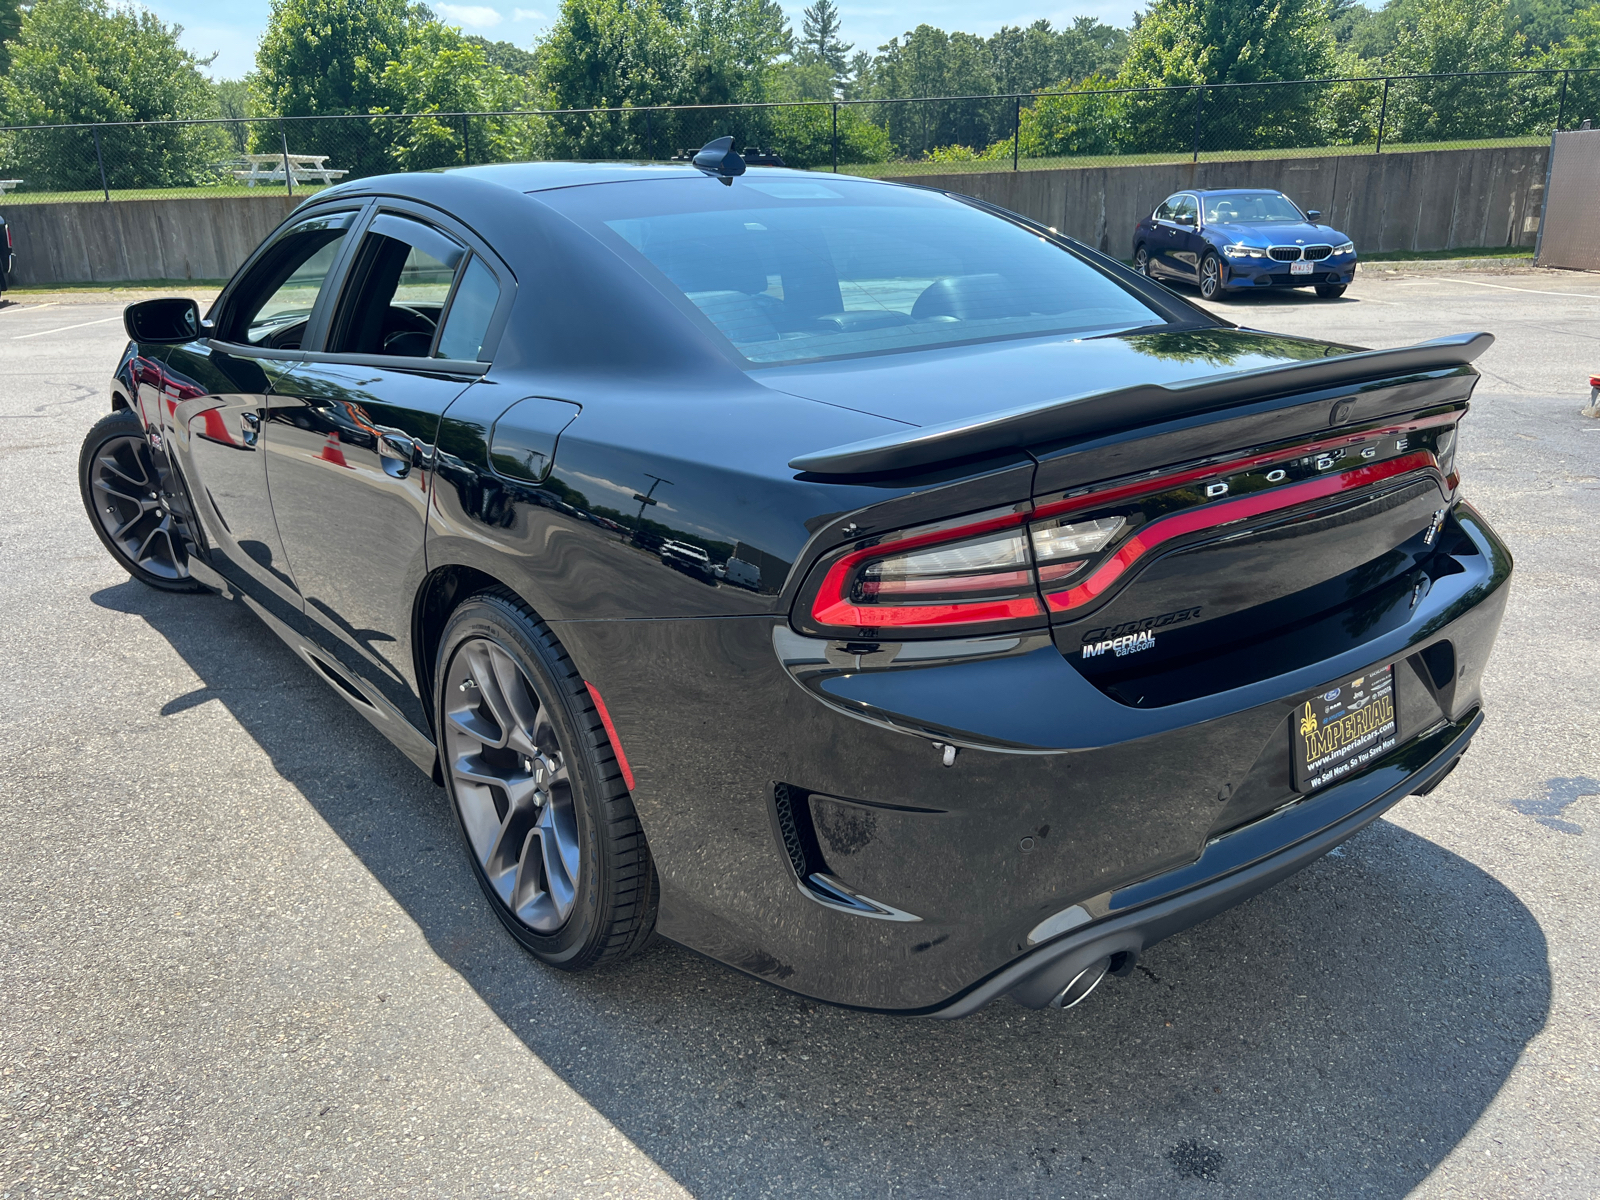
868, 25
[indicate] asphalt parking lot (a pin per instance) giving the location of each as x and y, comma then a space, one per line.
241, 952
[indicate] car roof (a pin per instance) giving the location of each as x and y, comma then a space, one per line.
1236, 191
546, 176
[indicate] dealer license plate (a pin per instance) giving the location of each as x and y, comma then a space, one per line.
1300, 267
1344, 729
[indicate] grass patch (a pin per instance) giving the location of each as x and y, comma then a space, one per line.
129, 285
1438, 255
12, 199
892, 170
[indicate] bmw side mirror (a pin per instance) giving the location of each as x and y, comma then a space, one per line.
1314, 215
165, 320
1185, 218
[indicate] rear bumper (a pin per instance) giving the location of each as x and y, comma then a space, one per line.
1230, 870
965, 795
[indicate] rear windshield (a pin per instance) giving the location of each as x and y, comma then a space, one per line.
790, 270
1261, 207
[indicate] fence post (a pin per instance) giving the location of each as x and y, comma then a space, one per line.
100, 160
466, 144
835, 137
649, 139
288, 175
1561, 108
1016, 131
1199, 103
1383, 113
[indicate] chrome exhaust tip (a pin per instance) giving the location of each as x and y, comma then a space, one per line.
1081, 984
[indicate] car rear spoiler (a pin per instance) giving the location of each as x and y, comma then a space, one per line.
1122, 408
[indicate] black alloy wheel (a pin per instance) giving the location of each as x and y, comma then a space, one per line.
546, 817
1141, 262
1331, 291
1210, 276
122, 490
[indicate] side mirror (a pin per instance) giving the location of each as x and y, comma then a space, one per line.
1314, 215
1185, 218
165, 320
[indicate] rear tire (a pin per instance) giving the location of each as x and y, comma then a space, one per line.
1141, 262
547, 820
1331, 291
121, 492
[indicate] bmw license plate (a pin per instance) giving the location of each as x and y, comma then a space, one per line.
1301, 267
1344, 729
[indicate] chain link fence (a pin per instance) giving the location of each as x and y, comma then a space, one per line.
1085, 127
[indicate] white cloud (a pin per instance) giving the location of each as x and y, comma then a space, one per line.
527, 14
473, 16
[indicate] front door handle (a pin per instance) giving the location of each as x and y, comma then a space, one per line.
396, 451
252, 428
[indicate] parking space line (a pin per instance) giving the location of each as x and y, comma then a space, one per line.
64, 328
1525, 291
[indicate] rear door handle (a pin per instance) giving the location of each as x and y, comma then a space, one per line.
396, 451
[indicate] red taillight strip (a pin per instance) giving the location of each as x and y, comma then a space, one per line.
1225, 512
611, 732
1163, 483
831, 608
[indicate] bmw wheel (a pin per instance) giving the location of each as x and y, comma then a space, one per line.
537, 789
1331, 291
122, 490
1141, 262
1210, 276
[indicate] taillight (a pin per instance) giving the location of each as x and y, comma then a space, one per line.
1011, 568
976, 572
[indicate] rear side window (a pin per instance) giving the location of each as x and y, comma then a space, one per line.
272, 304
399, 285
1164, 211
471, 309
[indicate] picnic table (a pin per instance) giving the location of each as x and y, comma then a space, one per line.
7, 184
268, 168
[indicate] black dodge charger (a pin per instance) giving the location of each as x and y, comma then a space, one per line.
860, 585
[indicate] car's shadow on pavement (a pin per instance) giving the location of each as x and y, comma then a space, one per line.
1336, 1035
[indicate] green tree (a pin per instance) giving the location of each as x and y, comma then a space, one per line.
439, 71
819, 37
931, 62
234, 105
1453, 36
804, 136
1581, 48
82, 61
1181, 42
510, 58
10, 30
1084, 120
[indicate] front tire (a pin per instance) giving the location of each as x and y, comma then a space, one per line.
1331, 291
1210, 277
121, 491
548, 823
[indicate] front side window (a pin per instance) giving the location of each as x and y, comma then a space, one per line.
1185, 211
790, 270
273, 302
399, 284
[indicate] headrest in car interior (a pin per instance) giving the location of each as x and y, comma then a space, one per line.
967, 297
704, 266
408, 343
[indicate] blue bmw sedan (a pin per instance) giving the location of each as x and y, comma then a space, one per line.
1239, 238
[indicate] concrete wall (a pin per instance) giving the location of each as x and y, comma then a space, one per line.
1433, 200
1571, 236
186, 238
1430, 200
